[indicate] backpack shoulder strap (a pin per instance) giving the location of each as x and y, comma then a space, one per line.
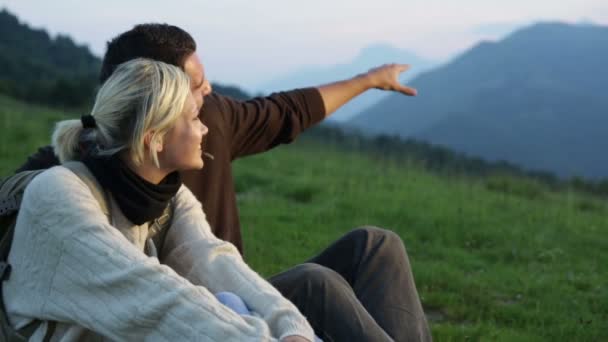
12, 188
159, 228
11, 194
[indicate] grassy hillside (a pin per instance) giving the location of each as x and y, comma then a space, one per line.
497, 259
24, 128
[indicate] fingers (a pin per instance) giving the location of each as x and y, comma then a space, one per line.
407, 90
394, 67
402, 88
386, 77
399, 68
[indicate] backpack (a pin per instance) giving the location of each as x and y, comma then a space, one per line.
11, 194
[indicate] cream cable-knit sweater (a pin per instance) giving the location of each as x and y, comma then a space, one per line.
72, 266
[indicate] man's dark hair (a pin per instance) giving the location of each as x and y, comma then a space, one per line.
161, 42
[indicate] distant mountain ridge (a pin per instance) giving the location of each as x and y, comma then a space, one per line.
369, 57
536, 98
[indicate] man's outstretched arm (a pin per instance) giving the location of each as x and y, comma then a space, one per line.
261, 123
385, 77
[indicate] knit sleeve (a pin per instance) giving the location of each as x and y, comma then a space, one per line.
262, 123
73, 266
194, 252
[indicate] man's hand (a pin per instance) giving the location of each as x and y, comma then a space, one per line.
295, 338
386, 77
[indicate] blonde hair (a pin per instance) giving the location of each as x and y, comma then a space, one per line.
142, 95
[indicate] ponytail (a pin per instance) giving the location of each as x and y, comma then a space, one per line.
66, 139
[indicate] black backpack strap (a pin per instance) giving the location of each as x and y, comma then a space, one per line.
11, 192
10, 205
158, 229
7, 332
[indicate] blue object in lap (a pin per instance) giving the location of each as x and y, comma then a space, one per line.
234, 302
237, 305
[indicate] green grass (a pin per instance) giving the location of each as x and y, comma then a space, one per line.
24, 128
491, 263
498, 259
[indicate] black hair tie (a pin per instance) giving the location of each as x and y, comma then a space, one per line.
88, 121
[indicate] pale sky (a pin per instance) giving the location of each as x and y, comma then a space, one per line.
248, 42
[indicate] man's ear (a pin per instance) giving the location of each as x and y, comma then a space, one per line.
153, 142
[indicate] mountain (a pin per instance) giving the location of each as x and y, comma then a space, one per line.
536, 98
369, 57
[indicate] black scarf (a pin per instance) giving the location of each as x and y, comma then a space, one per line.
139, 200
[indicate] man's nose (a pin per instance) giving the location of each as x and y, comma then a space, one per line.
207, 89
198, 98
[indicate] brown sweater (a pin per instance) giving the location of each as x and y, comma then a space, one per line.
236, 129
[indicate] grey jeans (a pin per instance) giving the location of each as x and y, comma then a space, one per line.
361, 288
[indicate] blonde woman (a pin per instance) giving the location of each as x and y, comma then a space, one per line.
87, 277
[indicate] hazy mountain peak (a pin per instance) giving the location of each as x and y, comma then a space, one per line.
378, 53
369, 56
536, 97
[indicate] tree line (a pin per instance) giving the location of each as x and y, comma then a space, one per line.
442, 160
36, 68
53, 71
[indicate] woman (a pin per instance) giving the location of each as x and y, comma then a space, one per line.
73, 266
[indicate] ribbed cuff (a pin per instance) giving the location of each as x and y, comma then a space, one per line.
297, 327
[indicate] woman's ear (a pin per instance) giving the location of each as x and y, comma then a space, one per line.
153, 142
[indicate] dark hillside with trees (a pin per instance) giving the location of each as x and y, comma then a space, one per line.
447, 162
55, 71
38, 68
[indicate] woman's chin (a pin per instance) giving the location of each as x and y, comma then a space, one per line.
194, 166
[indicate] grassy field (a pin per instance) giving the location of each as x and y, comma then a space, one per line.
24, 128
495, 259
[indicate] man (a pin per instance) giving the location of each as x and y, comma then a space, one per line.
359, 289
